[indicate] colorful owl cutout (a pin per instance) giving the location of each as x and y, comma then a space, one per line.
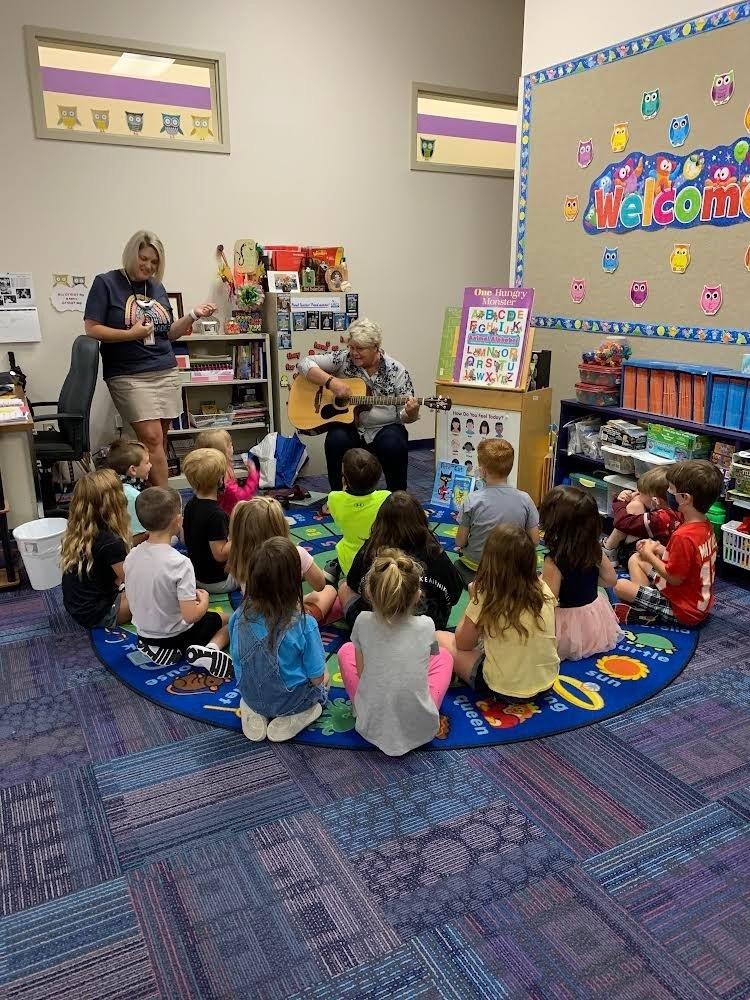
570, 209
638, 293
722, 88
650, 104
201, 127
170, 123
585, 152
679, 130
578, 290
427, 147
61, 279
679, 259
135, 121
68, 115
711, 299
610, 259
620, 137
747, 118
747, 259
100, 118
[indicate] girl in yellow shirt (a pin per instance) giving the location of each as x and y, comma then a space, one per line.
505, 645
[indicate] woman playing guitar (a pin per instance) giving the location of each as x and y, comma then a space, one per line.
380, 429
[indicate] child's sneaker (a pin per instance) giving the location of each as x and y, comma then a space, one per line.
284, 727
611, 554
214, 660
332, 572
160, 654
254, 724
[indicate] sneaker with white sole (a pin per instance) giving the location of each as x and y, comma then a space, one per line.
284, 727
214, 660
332, 572
159, 654
254, 724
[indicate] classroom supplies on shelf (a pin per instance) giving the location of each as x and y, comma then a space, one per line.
736, 545
675, 444
595, 395
665, 389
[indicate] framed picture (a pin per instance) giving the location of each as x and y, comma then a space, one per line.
175, 301
283, 282
89, 88
463, 131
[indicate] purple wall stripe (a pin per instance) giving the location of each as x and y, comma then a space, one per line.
125, 88
465, 128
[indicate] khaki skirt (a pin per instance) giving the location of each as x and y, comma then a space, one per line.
147, 395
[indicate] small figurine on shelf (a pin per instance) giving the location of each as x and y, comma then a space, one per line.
250, 298
224, 271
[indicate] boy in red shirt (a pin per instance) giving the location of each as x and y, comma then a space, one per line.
641, 513
683, 589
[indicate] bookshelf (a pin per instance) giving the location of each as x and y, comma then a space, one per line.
229, 375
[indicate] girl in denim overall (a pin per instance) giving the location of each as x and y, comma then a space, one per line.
279, 660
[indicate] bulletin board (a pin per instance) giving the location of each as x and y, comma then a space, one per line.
634, 186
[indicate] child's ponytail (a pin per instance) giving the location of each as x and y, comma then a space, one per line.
392, 584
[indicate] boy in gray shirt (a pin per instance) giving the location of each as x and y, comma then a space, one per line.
170, 614
497, 503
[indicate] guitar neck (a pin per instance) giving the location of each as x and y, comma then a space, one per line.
379, 400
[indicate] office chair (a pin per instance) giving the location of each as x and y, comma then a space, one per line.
71, 441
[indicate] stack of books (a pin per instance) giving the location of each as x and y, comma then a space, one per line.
13, 410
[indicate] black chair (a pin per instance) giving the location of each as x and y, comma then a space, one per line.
71, 441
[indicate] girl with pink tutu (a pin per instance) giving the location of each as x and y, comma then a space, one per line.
574, 570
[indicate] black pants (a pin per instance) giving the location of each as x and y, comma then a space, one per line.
390, 446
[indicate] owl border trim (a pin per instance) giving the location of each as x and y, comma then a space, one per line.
689, 28
177, 122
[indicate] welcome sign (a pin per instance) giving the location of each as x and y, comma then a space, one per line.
662, 190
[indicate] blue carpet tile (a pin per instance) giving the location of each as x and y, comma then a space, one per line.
148, 856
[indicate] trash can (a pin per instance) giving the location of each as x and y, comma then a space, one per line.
39, 543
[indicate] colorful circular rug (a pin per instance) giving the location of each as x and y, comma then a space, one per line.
586, 692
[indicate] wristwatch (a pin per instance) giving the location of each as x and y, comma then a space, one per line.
327, 383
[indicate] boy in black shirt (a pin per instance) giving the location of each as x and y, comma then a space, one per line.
205, 525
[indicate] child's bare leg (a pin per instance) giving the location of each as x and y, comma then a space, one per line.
463, 659
322, 601
346, 593
123, 612
615, 539
627, 590
638, 570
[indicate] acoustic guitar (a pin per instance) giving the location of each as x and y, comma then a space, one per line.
312, 408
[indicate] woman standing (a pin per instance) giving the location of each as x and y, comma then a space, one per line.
129, 313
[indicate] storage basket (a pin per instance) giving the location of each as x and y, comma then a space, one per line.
595, 486
601, 375
203, 420
645, 461
736, 545
596, 395
618, 459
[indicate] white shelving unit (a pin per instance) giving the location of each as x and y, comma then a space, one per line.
245, 434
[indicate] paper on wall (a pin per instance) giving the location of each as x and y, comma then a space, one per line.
16, 290
20, 326
69, 292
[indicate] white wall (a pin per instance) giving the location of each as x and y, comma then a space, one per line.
555, 32
319, 101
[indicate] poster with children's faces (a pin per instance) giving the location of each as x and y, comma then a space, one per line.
460, 431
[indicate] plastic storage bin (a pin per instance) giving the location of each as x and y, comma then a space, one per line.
618, 459
594, 395
615, 486
600, 375
740, 472
645, 460
736, 545
595, 486
39, 543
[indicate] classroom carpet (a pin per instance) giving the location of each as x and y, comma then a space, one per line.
147, 856
587, 691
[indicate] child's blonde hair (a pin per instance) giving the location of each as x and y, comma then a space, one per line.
252, 523
98, 502
392, 584
217, 438
204, 468
496, 457
653, 483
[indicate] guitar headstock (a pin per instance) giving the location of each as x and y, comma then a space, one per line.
440, 403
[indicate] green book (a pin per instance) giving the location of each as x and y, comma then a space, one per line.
449, 343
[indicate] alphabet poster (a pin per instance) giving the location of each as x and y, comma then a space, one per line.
494, 345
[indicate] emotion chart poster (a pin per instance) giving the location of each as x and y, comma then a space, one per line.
494, 344
460, 431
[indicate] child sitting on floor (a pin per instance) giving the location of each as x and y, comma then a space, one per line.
130, 460
169, 612
233, 490
94, 547
354, 508
644, 513
254, 521
278, 654
401, 523
393, 670
574, 570
496, 503
505, 645
205, 524
682, 592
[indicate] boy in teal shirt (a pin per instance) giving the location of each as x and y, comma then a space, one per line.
354, 508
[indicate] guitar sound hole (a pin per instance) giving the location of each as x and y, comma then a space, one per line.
331, 410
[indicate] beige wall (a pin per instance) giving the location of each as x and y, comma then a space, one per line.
319, 118
555, 32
